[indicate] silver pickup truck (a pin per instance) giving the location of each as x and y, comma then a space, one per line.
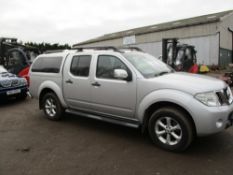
131, 88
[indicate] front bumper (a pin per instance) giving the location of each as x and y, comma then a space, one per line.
211, 120
4, 92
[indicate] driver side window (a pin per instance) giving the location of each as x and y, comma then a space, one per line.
106, 65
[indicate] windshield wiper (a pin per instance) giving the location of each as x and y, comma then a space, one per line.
163, 73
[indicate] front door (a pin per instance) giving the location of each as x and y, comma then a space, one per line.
76, 83
111, 96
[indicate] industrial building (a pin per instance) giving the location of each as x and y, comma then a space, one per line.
212, 36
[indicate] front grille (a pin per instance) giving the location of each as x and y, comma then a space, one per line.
15, 83
6, 83
225, 96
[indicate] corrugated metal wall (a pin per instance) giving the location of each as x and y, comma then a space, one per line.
225, 57
207, 48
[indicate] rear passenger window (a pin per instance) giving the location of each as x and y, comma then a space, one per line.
47, 64
80, 65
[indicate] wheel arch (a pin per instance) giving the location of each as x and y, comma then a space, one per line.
155, 106
165, 98
47, 87
42, 94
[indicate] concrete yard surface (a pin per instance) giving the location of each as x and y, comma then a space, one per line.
33, 145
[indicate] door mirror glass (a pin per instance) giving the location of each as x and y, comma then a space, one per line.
120, 74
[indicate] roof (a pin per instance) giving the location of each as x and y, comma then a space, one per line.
205, 19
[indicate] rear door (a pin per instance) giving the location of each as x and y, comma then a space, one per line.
76, 83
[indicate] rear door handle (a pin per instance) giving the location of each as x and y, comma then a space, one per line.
69, 81
96, 84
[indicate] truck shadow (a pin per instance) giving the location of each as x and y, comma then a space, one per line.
102, 127
11, 102
216, 144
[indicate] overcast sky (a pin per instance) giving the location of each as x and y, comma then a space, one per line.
73, 21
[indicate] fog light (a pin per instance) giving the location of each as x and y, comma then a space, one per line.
219, 123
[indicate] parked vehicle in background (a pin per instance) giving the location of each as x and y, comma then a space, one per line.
12, 85
15, 57
131, 88
181, 57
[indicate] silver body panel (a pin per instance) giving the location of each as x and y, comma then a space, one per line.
129, 100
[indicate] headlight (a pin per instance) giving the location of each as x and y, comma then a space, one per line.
208, 98
229, 95
23, 82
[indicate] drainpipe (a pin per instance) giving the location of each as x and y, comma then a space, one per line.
231, 30
219, 38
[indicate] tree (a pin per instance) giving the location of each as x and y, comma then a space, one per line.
47, 46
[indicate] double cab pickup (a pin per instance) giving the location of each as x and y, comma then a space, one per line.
130, 87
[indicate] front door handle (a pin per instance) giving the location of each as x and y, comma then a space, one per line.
96, 84
69, 81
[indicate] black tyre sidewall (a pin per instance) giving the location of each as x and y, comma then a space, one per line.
187, 131
59, 109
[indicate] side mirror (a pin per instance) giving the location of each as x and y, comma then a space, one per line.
121, 74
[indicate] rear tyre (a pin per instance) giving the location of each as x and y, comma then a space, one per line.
170, 129
52, 107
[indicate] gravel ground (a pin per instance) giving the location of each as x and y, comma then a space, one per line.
31, 144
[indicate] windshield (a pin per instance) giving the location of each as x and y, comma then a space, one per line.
147, 65
2, 69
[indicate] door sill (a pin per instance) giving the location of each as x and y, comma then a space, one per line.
115, 120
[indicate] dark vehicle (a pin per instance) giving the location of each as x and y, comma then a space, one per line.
181, 57
12, 85
15, 57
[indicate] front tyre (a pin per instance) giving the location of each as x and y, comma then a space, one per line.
52, 107
170, 129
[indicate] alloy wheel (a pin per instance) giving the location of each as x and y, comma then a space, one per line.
50, 107
168, 131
